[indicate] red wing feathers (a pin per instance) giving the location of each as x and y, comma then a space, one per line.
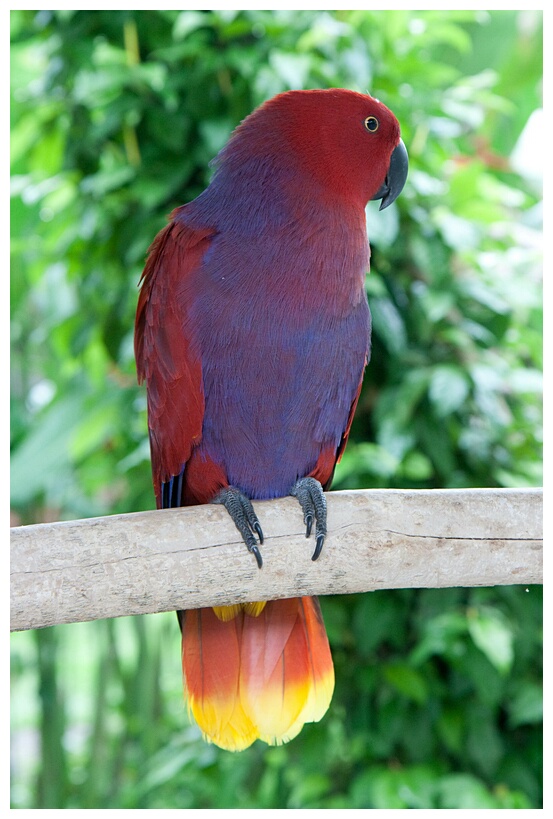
329, 457
353, 407
164, 354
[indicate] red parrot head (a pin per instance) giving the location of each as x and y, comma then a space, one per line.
347, 143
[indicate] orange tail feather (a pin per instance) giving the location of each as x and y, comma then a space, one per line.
211, 671
261, 673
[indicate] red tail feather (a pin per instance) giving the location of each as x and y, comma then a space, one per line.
258, 676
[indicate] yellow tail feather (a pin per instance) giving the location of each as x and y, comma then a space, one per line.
256, 671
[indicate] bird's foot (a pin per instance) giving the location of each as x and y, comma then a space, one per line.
310, 495
246, 521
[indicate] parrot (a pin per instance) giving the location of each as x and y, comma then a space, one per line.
252, 335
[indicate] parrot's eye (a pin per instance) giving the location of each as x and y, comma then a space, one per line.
371, 124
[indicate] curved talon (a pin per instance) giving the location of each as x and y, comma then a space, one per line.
310, 496
318, 547
257, 528
257, 554
242, 513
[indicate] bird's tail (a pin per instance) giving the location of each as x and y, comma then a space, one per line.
257, 670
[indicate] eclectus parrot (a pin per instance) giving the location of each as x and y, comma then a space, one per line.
252, 334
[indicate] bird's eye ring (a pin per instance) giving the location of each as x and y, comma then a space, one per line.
371, 124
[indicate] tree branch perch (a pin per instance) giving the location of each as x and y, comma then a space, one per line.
156, 561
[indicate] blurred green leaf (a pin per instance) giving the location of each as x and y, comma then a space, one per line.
407, 681
377, 618
526, 707
382, 789
42, 463
448, 389
493, 635
464, 792
442, 635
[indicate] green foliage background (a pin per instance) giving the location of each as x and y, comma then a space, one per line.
115, 116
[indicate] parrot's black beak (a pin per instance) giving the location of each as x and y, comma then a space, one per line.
395, 178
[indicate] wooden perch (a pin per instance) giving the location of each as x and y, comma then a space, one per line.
187, 558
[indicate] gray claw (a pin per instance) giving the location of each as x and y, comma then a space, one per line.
310, 495
246, 521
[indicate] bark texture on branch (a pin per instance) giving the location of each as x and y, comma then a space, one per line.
187, 558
